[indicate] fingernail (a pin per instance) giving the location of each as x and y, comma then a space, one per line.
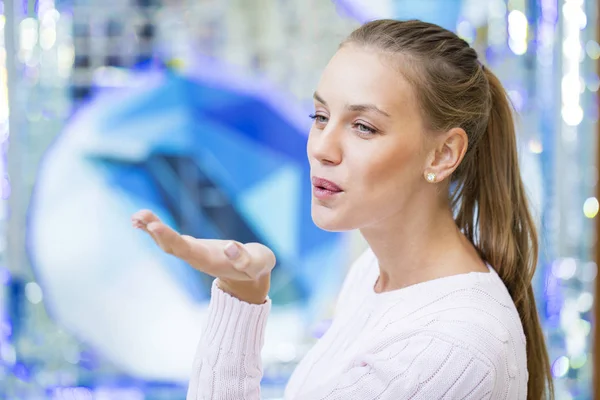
232, 251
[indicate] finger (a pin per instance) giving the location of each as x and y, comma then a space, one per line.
144, 217
253, 259
141, 219
169, 240
263, 259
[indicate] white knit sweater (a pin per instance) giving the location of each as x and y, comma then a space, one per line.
458, 337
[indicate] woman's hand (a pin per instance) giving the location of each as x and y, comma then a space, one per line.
244, 270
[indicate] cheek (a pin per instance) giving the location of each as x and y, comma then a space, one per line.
309, 143
389, 169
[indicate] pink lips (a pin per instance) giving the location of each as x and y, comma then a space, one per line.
324, 189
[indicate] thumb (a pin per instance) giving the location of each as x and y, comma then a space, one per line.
253, 259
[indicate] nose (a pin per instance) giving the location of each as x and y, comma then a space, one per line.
325, 146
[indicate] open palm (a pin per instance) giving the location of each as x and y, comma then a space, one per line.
225, 259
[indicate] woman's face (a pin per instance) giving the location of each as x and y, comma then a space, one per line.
367, 139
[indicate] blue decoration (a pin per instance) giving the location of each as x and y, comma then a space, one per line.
215, 157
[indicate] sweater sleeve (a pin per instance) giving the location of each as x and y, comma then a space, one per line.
418, 368
228, 362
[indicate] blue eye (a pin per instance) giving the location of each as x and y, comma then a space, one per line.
362, 128
318, 118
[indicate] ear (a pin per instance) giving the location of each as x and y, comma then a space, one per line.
446, 156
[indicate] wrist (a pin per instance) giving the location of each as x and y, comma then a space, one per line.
252, 292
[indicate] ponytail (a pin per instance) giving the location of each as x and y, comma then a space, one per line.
488, 196
493, 213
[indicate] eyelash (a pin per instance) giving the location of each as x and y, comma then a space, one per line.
315, 116
368, 130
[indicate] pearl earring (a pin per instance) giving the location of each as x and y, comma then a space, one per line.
430, 177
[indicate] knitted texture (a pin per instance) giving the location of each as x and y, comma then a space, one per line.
458, 337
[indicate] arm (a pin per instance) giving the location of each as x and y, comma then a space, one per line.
231, 343
421, 367
228, 364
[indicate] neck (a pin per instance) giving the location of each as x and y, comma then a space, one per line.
416, 245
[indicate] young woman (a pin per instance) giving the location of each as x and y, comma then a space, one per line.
413, 143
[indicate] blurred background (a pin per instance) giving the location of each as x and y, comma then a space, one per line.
199, 111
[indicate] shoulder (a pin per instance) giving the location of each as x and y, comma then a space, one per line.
475, 321
462, 362
483, 313
479, 313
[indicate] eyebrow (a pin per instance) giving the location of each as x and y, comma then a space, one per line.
356, 107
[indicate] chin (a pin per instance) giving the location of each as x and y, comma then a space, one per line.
330, 221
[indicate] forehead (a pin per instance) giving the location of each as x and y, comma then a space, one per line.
356, 75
